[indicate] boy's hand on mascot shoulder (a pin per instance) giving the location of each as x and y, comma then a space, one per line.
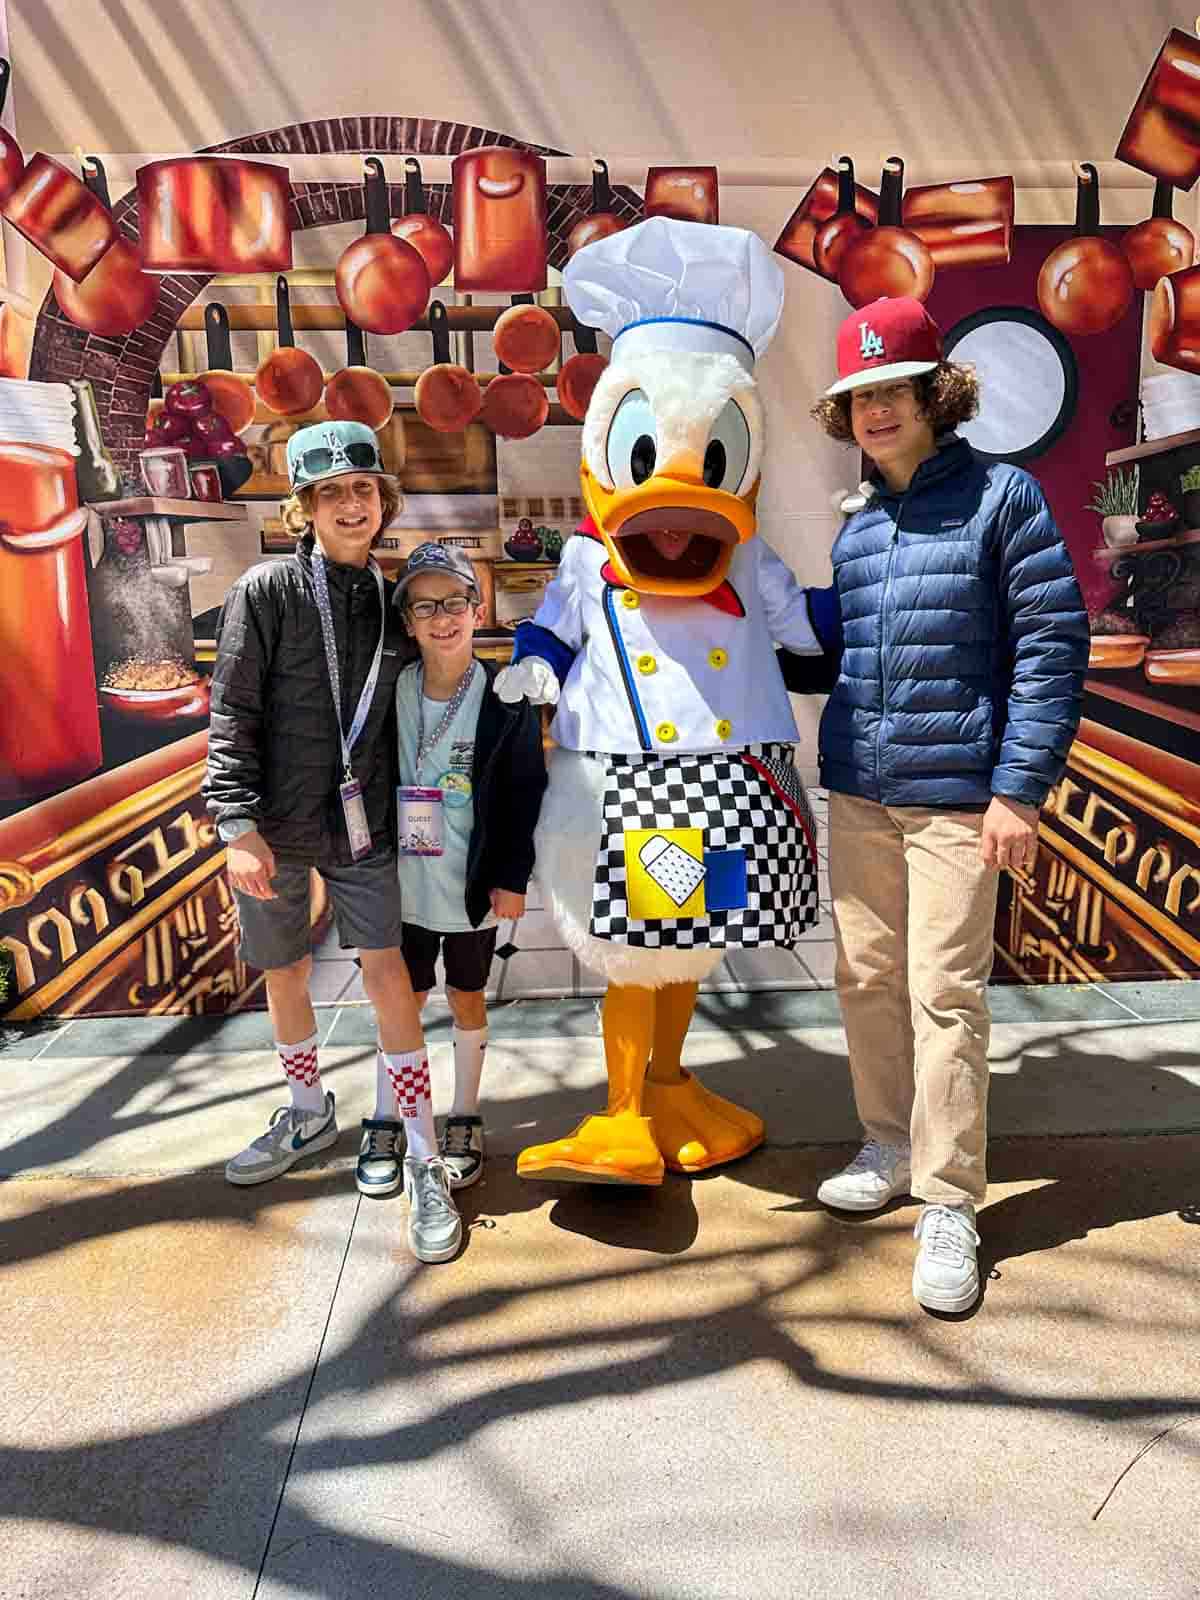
529, 679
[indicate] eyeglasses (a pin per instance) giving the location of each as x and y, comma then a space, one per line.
454, 605
318, 460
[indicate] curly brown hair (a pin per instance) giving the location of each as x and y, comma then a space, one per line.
297, 510
946, 397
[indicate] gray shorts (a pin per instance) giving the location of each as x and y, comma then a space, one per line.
366, 906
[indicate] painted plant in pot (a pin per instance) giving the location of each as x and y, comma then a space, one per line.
1189, 489
1115, 503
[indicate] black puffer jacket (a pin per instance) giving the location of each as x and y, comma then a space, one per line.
273, 750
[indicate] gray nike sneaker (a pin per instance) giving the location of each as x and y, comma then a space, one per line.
434, 1225
290, 1135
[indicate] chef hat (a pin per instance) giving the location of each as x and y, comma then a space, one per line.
666, 284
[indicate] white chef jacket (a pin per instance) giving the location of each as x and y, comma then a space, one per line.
656, 673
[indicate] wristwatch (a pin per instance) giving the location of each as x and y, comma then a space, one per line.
235, 828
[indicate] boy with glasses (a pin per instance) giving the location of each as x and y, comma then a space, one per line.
301, 764
472, 774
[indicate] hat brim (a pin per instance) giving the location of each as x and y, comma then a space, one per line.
350, 472
886, 374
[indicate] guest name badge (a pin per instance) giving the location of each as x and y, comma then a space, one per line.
419, 814
356, 818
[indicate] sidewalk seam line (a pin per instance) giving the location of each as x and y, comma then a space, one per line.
312, 1378
1108, 995
54, 1034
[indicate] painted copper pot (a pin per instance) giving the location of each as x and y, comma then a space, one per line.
289, 381
601, 220
1086, 283
887, 260
447, 395
428, 237
843, 228
1159, 246
60, 217
117, 295
214, 214
382, 282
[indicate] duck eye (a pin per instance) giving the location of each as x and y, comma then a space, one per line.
728, 451
632, 446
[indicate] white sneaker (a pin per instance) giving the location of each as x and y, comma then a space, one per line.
434, 1225
290, 1135
946, 1275
878, 1173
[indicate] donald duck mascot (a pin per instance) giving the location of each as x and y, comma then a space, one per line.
674, 826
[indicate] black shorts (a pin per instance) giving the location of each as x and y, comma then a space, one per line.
467, 957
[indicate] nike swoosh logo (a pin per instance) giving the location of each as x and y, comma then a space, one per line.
298, 1141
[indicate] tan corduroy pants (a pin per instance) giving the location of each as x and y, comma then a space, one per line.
914, 910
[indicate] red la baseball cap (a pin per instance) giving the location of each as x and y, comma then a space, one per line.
891, 338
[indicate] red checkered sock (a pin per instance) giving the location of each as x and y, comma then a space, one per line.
304, 1078
409, 1075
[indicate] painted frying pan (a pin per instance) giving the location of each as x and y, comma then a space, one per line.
357, 393
516, 405
447, 395
289, 381
232, 395
580, 373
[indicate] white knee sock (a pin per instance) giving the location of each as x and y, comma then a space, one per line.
299, 1062
385, 1095
409, 1077
469, 1047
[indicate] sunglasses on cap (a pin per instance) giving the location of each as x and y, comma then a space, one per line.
319, 458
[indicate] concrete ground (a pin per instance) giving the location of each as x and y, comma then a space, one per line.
711, 1391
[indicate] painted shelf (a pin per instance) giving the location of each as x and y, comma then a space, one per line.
179, 510
1152, 447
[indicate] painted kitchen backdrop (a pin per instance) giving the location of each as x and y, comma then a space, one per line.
197, 317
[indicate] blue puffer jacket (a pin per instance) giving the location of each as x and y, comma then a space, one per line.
962, 637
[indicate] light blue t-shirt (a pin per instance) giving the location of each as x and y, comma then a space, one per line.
433, 889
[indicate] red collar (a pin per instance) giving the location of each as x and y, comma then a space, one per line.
723, 598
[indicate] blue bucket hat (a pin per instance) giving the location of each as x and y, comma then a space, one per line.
331, 449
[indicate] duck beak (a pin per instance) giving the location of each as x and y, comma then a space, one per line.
671, 535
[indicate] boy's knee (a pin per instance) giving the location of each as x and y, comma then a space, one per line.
294, 976
468, 1007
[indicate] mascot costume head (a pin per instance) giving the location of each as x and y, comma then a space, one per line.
674, 826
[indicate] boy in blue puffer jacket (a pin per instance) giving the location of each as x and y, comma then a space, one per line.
959, 641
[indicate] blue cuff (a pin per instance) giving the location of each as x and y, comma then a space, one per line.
534, 641
825, 614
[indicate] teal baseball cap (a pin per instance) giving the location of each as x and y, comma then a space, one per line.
330, 449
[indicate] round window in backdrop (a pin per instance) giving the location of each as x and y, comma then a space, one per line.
1028, 379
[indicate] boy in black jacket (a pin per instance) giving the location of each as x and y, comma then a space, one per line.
472, 774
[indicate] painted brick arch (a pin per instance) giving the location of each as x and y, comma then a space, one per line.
122, 370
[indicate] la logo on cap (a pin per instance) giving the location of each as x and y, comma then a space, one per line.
871, 345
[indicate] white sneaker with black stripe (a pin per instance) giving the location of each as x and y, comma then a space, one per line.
290, 1136
462, 1150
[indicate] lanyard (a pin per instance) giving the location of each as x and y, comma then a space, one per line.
321, 585
424, 746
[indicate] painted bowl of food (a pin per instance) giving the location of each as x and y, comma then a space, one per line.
155, 691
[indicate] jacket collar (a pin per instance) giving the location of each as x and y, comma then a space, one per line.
952, 457
340, 573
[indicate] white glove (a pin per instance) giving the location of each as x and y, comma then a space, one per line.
530, 679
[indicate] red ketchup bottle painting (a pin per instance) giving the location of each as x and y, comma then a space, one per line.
50, 727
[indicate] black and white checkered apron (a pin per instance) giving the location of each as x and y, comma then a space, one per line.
750, 800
